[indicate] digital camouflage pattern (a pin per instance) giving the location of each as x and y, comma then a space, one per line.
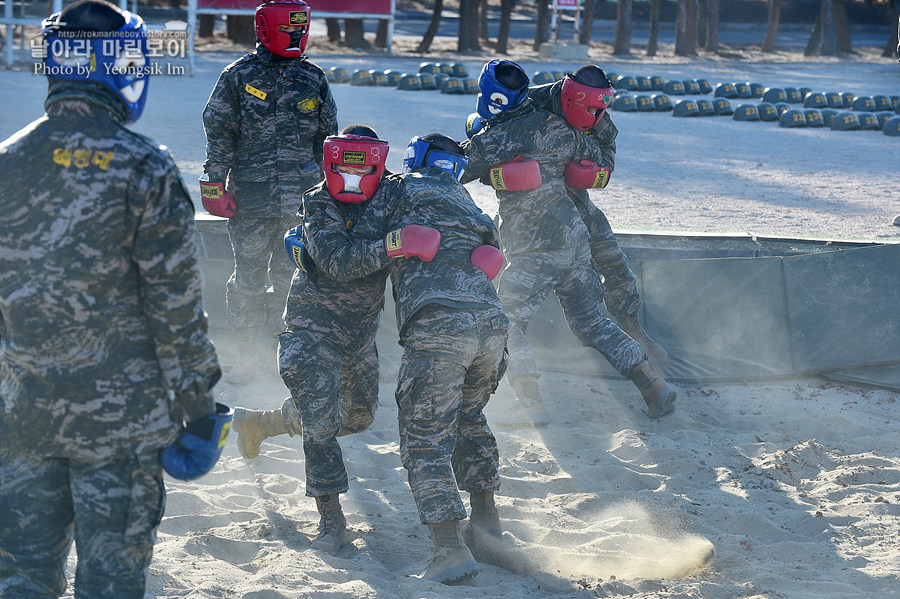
257, 289
99, 290
104, 350
328, 357
544, 237
114, 538
452, 328
619, 284
265, 121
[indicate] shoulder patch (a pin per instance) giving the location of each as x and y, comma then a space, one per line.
308, 104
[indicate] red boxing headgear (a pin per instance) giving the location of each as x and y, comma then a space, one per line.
277, 13
578, 98
354, 150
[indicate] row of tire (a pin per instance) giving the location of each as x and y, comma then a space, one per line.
448, 78
839, 120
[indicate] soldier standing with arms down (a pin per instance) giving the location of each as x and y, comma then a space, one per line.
105, 365
265, 122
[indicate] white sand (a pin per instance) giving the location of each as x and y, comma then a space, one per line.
793, 482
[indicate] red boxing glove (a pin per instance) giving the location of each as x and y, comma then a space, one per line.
586, 175
413, 240
216, 200
489, 259
516, 175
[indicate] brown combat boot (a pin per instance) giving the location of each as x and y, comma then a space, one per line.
452, 561
255, 426
657, 393
332, 525
631, 326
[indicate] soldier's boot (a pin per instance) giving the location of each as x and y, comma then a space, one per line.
529, 401
452, 561
255, 426
332, 525
632, 327
483, 535
657, 393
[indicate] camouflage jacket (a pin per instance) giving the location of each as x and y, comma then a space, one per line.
429, 197
536, 219
265, 121
105, 341
320, 301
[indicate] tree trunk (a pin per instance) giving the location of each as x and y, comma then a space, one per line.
774, 7
542, 31
653, 38
503, 30
892, 48
381, 34
205, 25
587, 30
712, 26
468, 26
425, 45
333, 29
680, 28
843, 45
823, 40
241, 28
622, 44
354, 34
701, 23
483, 21
690, 30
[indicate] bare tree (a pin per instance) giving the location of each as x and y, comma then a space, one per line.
892, 49
468, 26
774, 10
622, 43
686, 28
542, 31
831, 32
587, 30
712, 26
653, 38
354, 34
503, 29
381, 34
483, 20
425, 45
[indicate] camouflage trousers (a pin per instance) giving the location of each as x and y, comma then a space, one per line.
447, 374
527, 281
110, 508
256, 292
334, 392
619, 285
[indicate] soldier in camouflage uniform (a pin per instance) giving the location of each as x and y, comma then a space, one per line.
619, 286
265, 123
453, 331
104, 351
523, 152
328, 357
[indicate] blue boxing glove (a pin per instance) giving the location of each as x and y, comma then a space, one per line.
200, 445
296, 249
474, 123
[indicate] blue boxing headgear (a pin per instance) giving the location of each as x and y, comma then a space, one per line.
503, 85
435, 150
115, 56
